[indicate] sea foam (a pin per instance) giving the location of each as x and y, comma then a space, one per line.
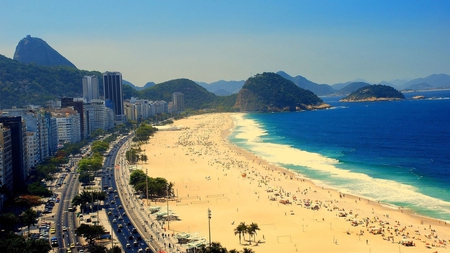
323, 170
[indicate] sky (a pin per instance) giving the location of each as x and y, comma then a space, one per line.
157, 41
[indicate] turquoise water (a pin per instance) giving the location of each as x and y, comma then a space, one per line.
394, 152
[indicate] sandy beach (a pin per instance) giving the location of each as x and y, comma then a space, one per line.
208, 172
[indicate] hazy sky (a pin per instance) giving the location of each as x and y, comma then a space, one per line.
324, 41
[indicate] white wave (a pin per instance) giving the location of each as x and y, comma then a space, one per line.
355, 183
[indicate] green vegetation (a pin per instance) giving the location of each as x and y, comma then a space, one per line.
157, 187
374, 93
38, 189
22, 84
144, 132
90, 233
86, 197
269, 92
13, 243
243, 229
99, 146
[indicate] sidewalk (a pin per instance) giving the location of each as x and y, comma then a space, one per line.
153, 231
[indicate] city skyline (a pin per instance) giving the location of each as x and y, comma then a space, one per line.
326, 42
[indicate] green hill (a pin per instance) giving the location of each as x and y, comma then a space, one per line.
376, 92
195, 96
22, 84
269, 92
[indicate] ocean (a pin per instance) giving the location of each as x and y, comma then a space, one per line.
395, 152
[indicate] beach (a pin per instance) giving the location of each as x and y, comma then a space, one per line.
292, 213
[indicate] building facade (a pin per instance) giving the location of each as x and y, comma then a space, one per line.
112, 85
90, 88
177, 102
19, 151
6, 166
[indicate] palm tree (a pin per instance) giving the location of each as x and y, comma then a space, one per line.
248, 250
252, 230
241, 229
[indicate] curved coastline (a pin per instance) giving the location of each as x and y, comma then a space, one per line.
210, 166
390, 184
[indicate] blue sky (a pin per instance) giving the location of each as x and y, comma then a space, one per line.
324, 41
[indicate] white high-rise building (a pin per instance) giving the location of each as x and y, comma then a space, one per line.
68, 124
99, 116
90, 88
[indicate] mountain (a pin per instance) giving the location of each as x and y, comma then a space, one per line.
437, 81
23, 84
195, 96
338, 86
351, 87
376, 92
36, 50
222, 87
270, 92
300, 81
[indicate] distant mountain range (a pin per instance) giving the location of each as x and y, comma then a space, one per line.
39, 73
435, 81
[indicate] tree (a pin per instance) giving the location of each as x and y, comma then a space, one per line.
37, 246
28, 218
251, 230
97, 249
37, 188
248, 250
137, 176
115, 249
8, 221
215, 247
240, 230
90, 232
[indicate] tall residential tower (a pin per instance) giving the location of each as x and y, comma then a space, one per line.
112, 84
90, 88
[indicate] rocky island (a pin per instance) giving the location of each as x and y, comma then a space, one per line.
375, 92
269, 92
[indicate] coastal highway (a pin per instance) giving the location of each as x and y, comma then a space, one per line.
124, 228
64, 218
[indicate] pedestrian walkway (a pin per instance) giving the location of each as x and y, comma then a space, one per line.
152, 230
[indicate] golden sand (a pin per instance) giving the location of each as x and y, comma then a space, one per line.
209, 172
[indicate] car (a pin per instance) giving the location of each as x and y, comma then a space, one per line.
72, 245
119, 230
135, 243
109, 213
120, 206
128, 245
124, 214
80, 251
113, 202
64, 228
120, 226
120, 218
116, 196
134, 230
69, 250
140, 250
52, 230
114, 220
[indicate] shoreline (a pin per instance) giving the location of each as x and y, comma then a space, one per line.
348, 192
289, 183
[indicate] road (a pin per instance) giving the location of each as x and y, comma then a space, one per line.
120, 221
65, 218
